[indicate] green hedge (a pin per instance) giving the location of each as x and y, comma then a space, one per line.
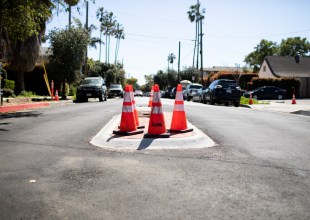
285, 83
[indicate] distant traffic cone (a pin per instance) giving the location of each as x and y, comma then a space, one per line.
151, 97
157, 126
293, 99
56, 95
135, 111
128, 123
179, 123
250, 100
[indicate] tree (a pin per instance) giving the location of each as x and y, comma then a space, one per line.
134, 82
67, 53
188, 73
70, 3
22, 26
161, 79
171, 58
112, 73
293, 46
263, 49
100, 15
119, 34
107, 26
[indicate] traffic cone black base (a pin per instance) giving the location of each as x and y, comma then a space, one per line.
163, 135
138, 127
123, 133
181, 131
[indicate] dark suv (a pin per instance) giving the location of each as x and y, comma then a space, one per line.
115, 90
223, 91
92, 87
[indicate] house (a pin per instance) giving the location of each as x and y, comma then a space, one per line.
278, 67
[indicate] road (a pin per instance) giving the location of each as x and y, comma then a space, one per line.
259, 168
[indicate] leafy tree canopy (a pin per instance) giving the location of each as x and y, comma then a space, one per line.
112, 73
294, 46
67, 52
289, 47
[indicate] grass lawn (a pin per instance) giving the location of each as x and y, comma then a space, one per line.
245, 101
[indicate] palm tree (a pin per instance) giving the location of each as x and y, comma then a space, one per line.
100, 15
108, 28
171, 58
70, 3
119, 34
194, 14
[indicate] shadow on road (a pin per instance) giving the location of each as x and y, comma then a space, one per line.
20, 114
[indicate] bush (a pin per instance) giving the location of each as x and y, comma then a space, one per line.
8, 92
9, 84
27, 94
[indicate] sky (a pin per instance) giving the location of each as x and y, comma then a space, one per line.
153, 30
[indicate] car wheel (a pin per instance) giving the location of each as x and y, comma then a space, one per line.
188, 98
236, 104
211, 101
280, 97
101, 97
226, 103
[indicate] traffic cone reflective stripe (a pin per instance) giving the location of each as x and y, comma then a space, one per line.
179, 122
135, 111
128, 123
157, 126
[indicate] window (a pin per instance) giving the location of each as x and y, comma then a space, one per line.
264, 68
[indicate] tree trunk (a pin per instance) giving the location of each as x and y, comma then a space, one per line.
20, 84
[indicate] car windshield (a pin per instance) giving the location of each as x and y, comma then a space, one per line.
228, 84
91, 81
115, 87
195, 86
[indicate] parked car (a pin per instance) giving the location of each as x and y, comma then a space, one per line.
267, 92
92, 87
138, 93
115, 90
223, 91
166, 94
173, 93
190, 90
198, 96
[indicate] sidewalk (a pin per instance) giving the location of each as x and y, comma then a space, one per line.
20, 104
301, 108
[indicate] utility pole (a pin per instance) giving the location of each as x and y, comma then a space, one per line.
179, 62
201, 52
86, 27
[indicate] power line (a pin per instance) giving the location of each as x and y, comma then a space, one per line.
158, 37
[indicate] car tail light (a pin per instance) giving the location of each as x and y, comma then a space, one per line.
218, 86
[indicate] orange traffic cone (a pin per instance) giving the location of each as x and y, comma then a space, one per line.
294, 100
179, 123
157, 126
135, 111
56, 95
151, 97
128, 123
250, 100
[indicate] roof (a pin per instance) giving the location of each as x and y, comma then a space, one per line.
287, 66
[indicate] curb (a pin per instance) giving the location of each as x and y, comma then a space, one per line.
26, 106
